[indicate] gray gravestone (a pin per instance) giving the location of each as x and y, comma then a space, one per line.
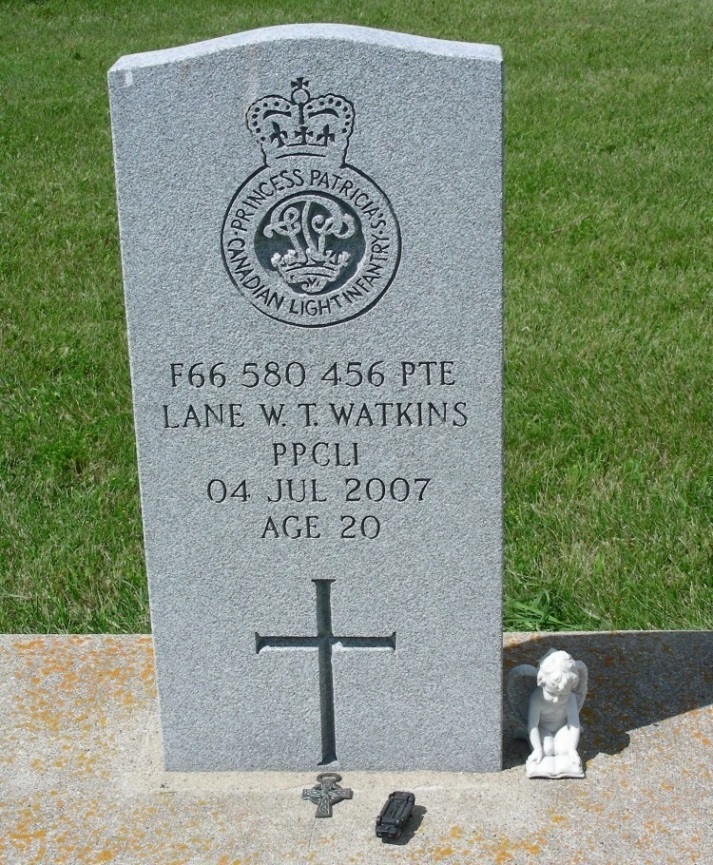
312, 251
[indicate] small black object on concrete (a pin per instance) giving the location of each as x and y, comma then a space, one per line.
327, 793
395, 814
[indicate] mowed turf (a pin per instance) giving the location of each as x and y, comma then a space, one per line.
609, 254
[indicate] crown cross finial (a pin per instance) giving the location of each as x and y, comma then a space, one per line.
303, 133
325, 136
303, 125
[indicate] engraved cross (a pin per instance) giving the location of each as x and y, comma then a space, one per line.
324, 642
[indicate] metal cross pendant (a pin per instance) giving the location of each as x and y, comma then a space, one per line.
327, 793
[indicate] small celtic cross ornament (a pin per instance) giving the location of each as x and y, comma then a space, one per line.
327, 793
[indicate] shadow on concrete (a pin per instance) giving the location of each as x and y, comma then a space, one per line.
409, 829
636, 679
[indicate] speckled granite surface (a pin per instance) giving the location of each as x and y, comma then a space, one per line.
82, 782
201, 201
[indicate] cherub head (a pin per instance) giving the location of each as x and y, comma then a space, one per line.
557, 672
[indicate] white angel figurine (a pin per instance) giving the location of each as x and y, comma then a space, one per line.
547, 699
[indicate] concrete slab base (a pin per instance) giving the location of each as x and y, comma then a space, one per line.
81, 778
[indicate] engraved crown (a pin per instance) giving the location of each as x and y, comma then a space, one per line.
302, 125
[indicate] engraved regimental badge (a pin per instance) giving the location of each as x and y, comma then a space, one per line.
308, 239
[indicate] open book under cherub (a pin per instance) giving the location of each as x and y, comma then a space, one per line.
547, 699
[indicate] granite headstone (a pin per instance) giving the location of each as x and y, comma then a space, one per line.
311, 235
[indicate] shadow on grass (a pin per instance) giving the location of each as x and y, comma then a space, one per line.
636, 679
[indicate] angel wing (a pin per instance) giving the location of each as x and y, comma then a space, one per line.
581, 690
522, 681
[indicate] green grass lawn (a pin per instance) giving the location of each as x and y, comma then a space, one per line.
609, 256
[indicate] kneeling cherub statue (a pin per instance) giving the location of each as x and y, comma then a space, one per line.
547, 699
